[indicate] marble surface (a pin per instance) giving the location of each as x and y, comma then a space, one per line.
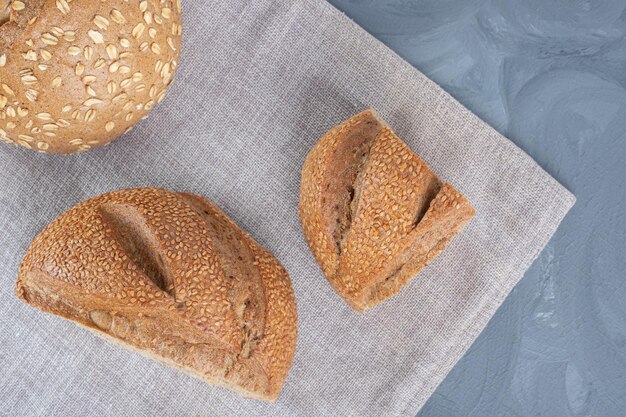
551, 76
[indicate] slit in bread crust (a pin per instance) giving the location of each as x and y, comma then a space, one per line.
345, 188
140, 245
432, 189
345, 217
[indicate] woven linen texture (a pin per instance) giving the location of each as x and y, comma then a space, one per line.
259, 83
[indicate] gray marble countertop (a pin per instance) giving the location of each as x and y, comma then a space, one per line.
551, 76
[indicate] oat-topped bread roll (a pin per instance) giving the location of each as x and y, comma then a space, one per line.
169, 275
372, 211
75, 74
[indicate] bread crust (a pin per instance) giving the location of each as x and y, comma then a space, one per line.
400, 215
76, 74
170, 275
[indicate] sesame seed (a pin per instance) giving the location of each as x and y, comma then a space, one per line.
138, 30
88, 52
17, 5
73, 50
111, 87
111, 51
44, 116
90, 115
99, 63
109, 126
165, 71
63, 6
49, 39
29, 79
96, 36
170, 42
101, 21
7, 89
119, 97
30, 55
57, 31
57, 81
117, 17
92, 102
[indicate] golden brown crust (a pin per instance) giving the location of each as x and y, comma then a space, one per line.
330, 155
169, 274
75, 74
398, 218
273, 353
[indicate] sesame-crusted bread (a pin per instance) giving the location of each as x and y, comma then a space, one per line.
372, 211
76, 74
171, 276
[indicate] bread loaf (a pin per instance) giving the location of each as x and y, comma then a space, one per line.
372, 211
75, 74
168, 275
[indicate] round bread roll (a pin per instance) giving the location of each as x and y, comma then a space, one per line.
75, 74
